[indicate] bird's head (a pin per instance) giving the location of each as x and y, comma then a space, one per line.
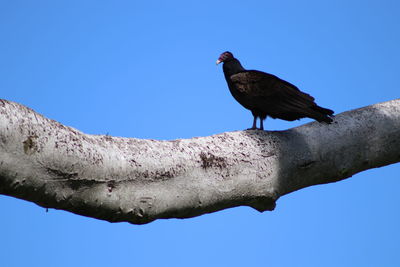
224, 57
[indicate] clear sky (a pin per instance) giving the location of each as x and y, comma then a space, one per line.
146, 69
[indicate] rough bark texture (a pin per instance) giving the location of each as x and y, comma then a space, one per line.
138, 181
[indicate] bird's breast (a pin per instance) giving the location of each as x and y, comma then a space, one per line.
241, 97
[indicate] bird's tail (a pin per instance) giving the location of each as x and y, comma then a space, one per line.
322, 114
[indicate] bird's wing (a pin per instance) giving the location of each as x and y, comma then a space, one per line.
269, 91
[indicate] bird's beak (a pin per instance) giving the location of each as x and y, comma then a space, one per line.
218, 61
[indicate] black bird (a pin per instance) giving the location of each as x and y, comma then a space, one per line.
265, 94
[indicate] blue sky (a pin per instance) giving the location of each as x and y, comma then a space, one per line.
146, 69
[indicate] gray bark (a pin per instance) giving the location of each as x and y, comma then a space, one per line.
134, 180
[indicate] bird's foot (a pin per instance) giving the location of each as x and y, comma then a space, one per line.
252, 129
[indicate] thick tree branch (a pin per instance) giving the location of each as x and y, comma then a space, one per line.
127, 179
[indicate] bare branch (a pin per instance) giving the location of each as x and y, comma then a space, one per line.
127, 179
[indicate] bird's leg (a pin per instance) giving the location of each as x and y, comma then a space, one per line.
254, 127
254, 123
261, 124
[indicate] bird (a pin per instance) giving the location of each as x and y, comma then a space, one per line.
265, 94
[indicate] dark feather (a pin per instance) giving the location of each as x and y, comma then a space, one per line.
267, 95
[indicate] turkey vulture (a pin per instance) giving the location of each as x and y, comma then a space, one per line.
265, 94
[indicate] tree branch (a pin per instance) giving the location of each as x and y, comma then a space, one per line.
127, 179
